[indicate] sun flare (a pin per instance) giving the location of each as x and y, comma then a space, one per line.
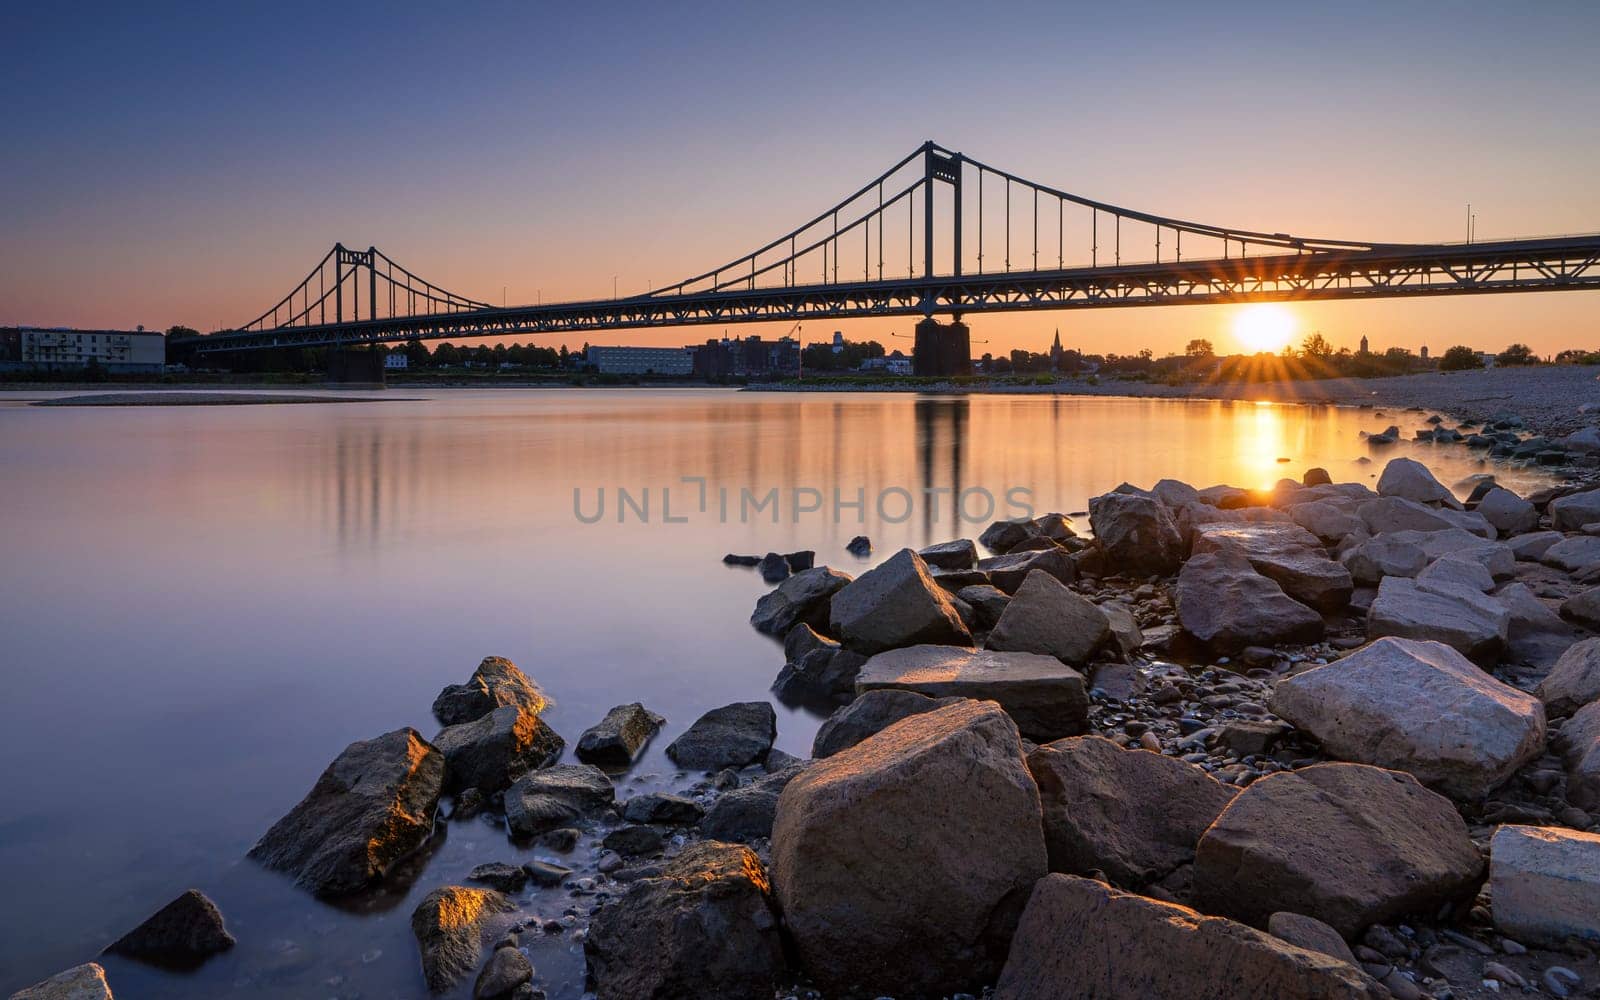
1264, 327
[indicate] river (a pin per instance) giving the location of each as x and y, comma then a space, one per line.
203, 605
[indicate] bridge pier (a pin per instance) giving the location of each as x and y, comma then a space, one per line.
355, 369
942, 349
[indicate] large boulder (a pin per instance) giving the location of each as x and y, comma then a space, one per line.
1573, 554
1080, 938
1287, 554
1574, 681
1044, 616
901, 863
803, 598
1136, 533
1371, 560
81, 982
1408, 478
491, 752
869, 714
1420, 707
1046, 698
371, 807
182, 934
451, 925
555, 797
503, 974
1309, 933
1131, 814
1545, 884
1225, 603
957, 555
704, 927
1349, 844
1580, 735
1573, 511
896, 603
496, 683
1457, 572
1003, 536
616, 739
1454, 543
746, 813
1537, 636
1007, 572
1509, 513
1330, 520
731, 736
1399, 514
1462, 617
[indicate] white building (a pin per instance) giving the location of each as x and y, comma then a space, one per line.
113, 350
396, 362
641, 360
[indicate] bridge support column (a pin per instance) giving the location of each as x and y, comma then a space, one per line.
355, 369
942, 349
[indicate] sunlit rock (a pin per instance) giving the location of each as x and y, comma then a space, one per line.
1046, 698
451, 925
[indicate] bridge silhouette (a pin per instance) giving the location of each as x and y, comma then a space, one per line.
921, 239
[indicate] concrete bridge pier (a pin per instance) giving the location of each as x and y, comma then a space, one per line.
942, 349
359, 368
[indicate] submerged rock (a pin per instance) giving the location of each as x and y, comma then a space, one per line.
896, 603
616, 739
491, 752
702, 928
1079, 938
506, 970
496, 683
900, 863
773, 567
801, 599
450, 925
859, 546
1349, 844
372, 806
1131, 814
731, 736
1420, 707
554, 797
1046, 698
182, 934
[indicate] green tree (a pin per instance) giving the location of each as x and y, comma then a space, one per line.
1460, 359
1199, 348
1316, 346
1516, 354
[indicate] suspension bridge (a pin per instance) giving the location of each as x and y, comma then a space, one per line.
937, 234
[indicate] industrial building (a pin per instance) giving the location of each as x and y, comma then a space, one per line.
27, 347
641, 360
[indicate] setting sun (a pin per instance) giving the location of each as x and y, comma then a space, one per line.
1264, 327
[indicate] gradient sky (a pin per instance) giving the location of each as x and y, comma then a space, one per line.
188, 164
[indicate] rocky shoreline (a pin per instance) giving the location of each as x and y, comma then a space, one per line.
1321, 740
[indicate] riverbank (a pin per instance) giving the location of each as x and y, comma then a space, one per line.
208, 399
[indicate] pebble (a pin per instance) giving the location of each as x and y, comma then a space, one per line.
1560, 980
1496, 971
1150, 742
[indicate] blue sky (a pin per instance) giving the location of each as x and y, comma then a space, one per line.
187, 164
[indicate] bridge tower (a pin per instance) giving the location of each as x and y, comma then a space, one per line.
940, 349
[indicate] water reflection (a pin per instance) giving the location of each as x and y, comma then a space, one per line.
214, 601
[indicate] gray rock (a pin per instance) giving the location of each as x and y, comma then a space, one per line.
1348, 844
1454, 571
1046, 698
957, 555
181, 935
1007, 572
804, 598
1419, 707
1331, 521
617, 739
1131, 814
1583, 608
1002, 536
1575, 554
554, 797
663, 807
1475, 624
860, 546
871, 713
635, 841
731, 736
1225, 603
1509, 513
896, 862
1574, 681
987, 602
703, 928
506, 970
1386, 555
1287, 554
824, 673
451, 925
1532, 547
1136, 534
81, 982
895, 604
1309, 933
1573, 511
1316, 476
372, 806
746, 813
773, 568
1046, 617
495, 684
1455, 543
1410, 479
1079, 938
1580, 735
491, 752
1545, 884
1125, 629
499, 875
803, 560
546, 875
1399, 514
1537, 636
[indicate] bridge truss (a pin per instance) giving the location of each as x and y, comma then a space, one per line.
937, 233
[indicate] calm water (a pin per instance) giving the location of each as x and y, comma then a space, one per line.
202, 606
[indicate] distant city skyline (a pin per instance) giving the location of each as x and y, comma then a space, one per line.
187, 170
